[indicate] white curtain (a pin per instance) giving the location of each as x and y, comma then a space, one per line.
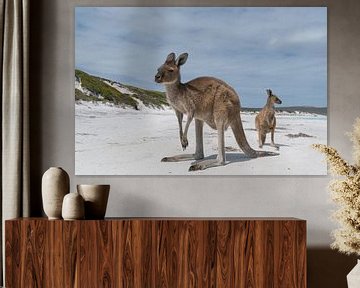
14, 39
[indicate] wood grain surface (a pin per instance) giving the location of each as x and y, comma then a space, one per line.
136, 253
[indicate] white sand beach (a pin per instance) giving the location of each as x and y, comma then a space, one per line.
116, 141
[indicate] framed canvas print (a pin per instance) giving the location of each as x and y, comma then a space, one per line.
200, 90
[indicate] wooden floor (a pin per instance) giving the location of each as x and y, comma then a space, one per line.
241, 253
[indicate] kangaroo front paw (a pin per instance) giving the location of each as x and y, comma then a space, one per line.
184, 143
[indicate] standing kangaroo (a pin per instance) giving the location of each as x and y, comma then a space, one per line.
208, 100
265, 121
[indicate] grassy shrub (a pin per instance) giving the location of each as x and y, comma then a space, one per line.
98, 87
81, 96
150, 98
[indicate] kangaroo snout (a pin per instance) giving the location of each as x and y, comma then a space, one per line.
278, 101
158, 78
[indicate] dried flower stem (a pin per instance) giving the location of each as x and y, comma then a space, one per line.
345, 191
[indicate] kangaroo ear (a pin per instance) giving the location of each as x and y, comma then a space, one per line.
170, 58
269, 92
181, 59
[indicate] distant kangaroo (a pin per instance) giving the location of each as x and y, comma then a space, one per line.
208, 100
265, 121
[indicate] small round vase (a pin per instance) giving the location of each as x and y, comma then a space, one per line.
73, 207
54, 186
96, 198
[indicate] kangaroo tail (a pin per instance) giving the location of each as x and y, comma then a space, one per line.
240, 137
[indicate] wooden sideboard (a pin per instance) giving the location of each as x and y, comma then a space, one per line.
156, 252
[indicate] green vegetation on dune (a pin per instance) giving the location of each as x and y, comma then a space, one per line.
81, 96
104, 92
97, 86
152, 98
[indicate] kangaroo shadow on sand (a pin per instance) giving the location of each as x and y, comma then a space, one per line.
231, 158
278, 145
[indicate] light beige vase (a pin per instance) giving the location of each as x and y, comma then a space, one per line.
96, 198
353, 278
73, 207
54, 186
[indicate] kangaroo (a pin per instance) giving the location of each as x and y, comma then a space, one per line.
208, 100
265, 121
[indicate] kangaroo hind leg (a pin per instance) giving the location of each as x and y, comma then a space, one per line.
220, 159
272, 137
262, 138
199, 150
259, 139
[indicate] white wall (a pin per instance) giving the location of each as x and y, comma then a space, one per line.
303, 197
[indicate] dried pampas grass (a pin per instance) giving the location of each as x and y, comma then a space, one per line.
345, 191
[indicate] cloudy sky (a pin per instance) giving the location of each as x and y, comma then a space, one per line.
251, 49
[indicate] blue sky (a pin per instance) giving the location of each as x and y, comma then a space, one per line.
251, 49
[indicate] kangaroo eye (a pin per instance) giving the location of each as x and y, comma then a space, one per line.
171, 70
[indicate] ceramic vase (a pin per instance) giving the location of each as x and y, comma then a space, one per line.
73, 207
353, 278
96, 198
55, 185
